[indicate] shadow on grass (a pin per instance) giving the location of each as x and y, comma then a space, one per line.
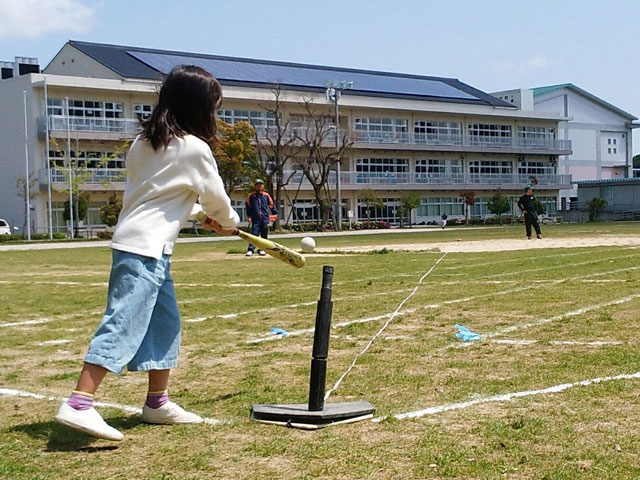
63, 439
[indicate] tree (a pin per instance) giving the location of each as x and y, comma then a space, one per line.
499, 204
636, 165
371, 200
235, 154
21, 185
469, 198
408, 203
78, 171
540, 208
277, 146
319, 156
110, 211
596, 205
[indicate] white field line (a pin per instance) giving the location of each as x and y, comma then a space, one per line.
290, 306
346, 323
48, 282
518, 272
506, 397
7, 392
379, 332
597, 343
531, 259
53, 342
27, 322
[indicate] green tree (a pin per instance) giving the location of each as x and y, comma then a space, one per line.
235, 154
110, 211
636, 161
596, 205
21, 185
408, 203
80, 207
469, 198
499, 204
371, 200
540, 208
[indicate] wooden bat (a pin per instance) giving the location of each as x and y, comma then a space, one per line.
274, 249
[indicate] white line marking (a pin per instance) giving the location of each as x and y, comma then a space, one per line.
505, 397
26, 322
46, 282
295, 333
53, 342
7, 392
555, 342
393, 315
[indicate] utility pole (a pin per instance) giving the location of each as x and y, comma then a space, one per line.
334, 90
27, 193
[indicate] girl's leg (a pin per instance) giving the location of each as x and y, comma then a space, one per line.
90, 378
158, 380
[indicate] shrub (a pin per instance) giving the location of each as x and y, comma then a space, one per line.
59, 236
105, 234
40, 236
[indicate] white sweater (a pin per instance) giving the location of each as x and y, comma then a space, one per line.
161, 193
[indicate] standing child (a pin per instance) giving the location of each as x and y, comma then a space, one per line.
444, 220
260, 210
527, 203
169, 168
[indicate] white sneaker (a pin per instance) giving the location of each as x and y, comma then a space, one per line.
87, 421
249, 253
169, 414
262, 253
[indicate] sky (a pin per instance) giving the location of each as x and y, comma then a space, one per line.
490, 44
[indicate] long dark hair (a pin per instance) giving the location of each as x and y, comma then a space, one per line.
187, 105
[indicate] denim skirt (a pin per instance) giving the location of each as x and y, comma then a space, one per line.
140, 329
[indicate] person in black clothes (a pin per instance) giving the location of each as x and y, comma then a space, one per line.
527, 204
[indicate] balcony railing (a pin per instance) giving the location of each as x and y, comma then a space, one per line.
428, 139
424, 179
90, 175
104, 125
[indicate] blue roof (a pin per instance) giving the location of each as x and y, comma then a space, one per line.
136, 62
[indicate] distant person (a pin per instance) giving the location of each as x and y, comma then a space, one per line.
170, 167
260, 210
444, 220
527, 204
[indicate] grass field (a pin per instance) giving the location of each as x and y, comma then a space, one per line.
510, 406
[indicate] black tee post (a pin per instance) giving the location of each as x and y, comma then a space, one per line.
320, 354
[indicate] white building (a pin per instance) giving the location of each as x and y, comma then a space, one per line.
600, 133
429, 135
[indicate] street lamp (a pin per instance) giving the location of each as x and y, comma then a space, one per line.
334, 90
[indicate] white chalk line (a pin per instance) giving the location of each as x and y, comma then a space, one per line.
379, 332
531, 259
40, 320
7, 392
290, 306
596, 343
26, 322
346, 323
505, 397
51, 282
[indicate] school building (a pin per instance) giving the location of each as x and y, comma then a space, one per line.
430, 135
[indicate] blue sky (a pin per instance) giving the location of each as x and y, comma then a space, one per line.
489, 44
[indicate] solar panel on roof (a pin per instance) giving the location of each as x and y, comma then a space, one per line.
303, 76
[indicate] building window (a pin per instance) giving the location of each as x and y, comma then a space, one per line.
240, 207
489, 134
382, 170
388, 212
535, 168
382, 130
437, 206
447, 133
85, 159
490, 167
55, 106
305, 211
434, 169
142, 110
256, 118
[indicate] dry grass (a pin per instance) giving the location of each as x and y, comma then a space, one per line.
583, 432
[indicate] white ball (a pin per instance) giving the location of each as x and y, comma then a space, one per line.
308, 244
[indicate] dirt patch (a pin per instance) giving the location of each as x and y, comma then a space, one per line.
498, 245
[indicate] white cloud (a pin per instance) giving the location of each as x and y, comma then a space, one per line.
33, 18
520, 67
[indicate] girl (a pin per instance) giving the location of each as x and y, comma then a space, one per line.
170, 167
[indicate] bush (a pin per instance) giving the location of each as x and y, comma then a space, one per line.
105, 234
40, 236
59, 236
9, 238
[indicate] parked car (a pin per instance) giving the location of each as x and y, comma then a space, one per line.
4, 227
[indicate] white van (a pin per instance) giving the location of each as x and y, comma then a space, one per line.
4, 227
